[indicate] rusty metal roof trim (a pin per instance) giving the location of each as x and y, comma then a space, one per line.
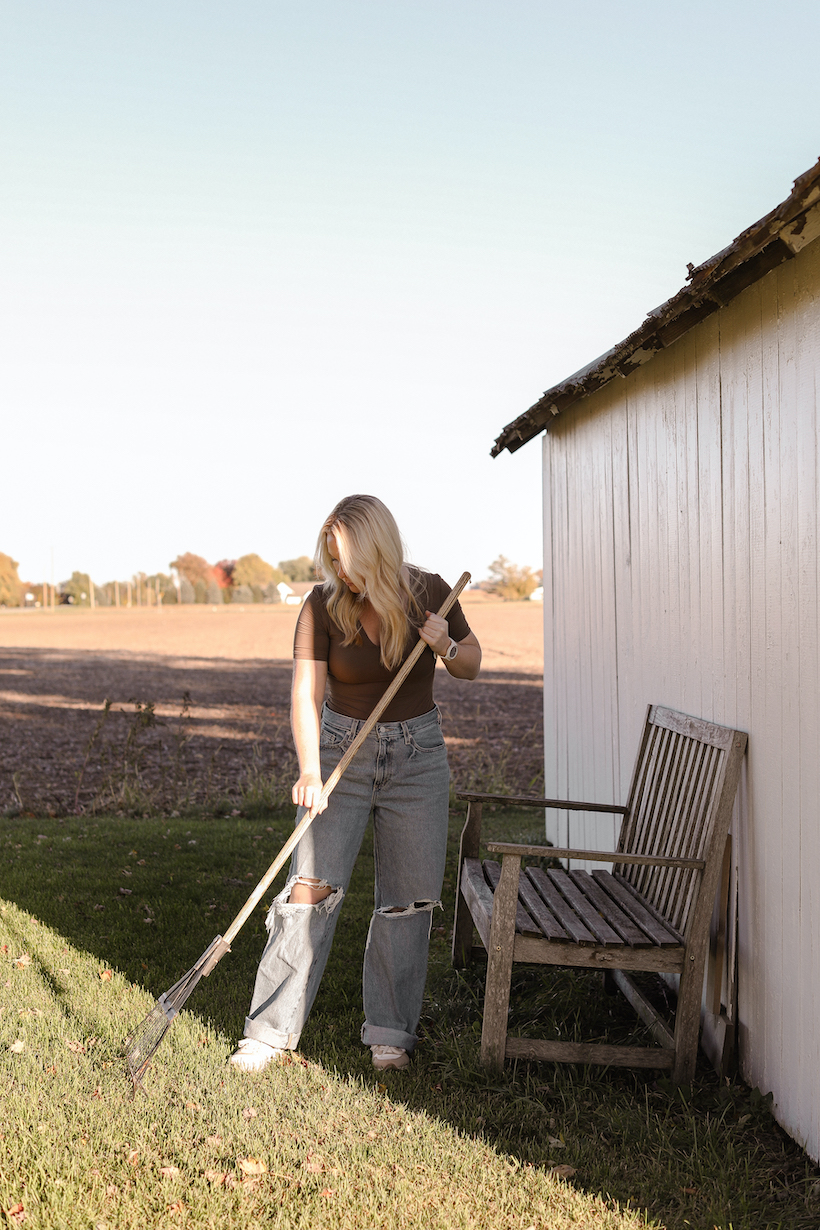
776, 238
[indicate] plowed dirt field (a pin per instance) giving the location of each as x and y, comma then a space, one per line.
231, 737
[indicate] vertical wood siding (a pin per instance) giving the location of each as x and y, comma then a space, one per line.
681, 510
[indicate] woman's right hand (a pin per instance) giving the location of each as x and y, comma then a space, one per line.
307, 791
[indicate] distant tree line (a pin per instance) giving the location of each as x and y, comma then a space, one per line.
191, 579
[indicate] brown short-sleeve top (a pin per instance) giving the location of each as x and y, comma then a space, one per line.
356, 677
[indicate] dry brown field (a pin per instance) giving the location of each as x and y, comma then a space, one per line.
58, 668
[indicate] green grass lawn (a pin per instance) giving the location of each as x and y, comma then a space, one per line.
100, 915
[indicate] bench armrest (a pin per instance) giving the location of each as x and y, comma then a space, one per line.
595, 856
510, 800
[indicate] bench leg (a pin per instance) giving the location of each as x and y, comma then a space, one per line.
499, 965
687, 1022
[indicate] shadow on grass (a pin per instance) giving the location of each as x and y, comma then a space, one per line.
148, 895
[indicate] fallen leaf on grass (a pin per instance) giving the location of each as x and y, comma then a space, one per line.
133, 1156
563, 1171
557, 1143
51, 1070
112, 1190
213, 1141
315, 1163
249, 1112
23, 960
193, 1107
125, 892
217, 1177
16, 1214
17, 1047
252, 1165
328, 1192
177, 1208
169, 1172
690, 1191
76, 1048
106, 975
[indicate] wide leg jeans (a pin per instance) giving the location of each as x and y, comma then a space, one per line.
400, 776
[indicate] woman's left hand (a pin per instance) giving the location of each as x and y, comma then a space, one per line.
435, 632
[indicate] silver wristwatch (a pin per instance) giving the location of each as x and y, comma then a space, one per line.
450, 652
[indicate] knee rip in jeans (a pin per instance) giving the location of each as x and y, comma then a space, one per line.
326, 904
415, 907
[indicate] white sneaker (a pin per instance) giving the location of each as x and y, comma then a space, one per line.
252, 1055
389, 1057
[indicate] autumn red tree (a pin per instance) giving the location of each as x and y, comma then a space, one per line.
193, 567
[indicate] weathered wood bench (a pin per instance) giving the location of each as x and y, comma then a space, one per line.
650, 913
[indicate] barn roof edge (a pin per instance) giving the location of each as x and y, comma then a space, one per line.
764, 245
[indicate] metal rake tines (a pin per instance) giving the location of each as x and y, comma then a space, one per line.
141, 1046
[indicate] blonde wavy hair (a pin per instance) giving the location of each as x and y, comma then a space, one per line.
371, 554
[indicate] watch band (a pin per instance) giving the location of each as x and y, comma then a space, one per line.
450, 652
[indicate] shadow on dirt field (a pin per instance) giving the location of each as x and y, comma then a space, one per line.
185, 730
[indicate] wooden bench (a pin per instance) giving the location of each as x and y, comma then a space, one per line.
650, 913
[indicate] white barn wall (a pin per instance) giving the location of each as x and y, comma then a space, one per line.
681, 567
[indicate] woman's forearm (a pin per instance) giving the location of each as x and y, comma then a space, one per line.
307, 695
467, 662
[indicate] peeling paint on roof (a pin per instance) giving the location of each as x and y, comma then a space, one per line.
776, 238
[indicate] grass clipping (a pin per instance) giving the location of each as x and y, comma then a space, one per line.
294, 1146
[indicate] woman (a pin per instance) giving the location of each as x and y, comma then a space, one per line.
353, 633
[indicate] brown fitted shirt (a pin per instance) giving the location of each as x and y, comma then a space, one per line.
356, 677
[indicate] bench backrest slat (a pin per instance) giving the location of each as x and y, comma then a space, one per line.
679, 805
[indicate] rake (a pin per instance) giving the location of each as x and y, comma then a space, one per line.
143, 1043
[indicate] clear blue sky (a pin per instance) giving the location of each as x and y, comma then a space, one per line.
257, 255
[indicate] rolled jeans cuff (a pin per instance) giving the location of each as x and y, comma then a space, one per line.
377, 1035
261, 1033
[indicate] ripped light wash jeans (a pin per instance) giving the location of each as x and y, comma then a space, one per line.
401, 776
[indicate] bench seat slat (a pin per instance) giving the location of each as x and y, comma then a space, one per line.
610, 911
585, 910
631, 904
569, 920
523, 923
551, 928
478, 895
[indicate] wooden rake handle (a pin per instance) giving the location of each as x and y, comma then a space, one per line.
306, 821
